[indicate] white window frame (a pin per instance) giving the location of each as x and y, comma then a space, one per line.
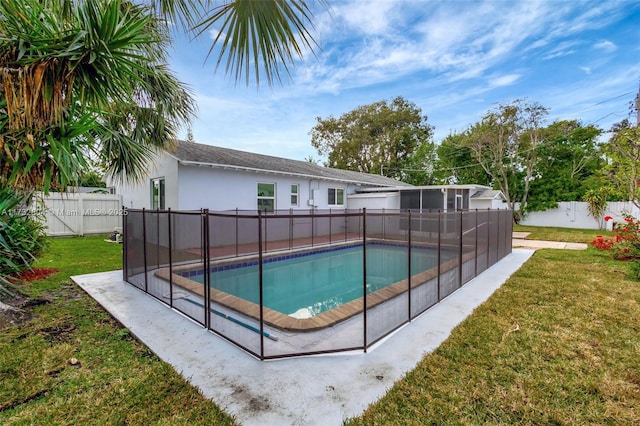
161, 186
263, 197
295, 194
334, 201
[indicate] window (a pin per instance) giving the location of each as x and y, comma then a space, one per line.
266, 197
336, 197
157, 193
295, 189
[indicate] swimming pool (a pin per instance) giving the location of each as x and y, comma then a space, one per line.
306, 284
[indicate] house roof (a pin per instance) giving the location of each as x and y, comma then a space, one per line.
488, 194
190, 153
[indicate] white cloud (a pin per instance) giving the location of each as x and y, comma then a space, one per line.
587, 70
606, 45
505, 80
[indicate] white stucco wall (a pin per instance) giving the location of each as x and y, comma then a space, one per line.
375, 201
139, 196
574, 214
192, 187
227, 189
487, 204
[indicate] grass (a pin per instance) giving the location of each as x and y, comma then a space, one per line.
117, 380
568, 235
558, 343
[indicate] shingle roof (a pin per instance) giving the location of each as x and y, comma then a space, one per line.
487, 194
217, 156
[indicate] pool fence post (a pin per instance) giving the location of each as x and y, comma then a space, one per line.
439, 246
260, 284
170, 257
158, 238
489, 237
125, 244
144, 248
408, 262
460, 263
475, 270
364, 276
497, 237
204, 213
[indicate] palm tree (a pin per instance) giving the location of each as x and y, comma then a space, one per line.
88, 79
83, 78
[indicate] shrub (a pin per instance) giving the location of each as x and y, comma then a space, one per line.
625, 245
22, 236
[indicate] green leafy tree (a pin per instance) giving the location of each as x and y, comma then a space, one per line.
456, 163
505, 144
568, 164
623, 153
382, 137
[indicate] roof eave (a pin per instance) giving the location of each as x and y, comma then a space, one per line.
275, 172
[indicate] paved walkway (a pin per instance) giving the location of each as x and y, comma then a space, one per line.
519, 240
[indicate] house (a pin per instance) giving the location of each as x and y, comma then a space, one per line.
430, 197
195, 176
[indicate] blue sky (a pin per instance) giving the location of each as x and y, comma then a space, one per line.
455, 60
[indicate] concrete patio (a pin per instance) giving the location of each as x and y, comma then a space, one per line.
315, 390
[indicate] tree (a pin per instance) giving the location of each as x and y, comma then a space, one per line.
568, 164
456, 163
82, 78
623, 153
505, 144
378, 138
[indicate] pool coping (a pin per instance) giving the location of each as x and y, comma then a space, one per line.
322, 320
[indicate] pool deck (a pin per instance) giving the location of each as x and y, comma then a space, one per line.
314, 390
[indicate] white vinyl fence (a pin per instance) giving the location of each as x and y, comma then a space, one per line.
574, 214
67, 214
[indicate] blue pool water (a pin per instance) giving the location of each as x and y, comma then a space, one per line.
313, 283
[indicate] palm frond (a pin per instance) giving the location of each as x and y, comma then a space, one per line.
252, 34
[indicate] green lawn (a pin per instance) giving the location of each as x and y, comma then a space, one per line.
117, 381
568, 235
559, 343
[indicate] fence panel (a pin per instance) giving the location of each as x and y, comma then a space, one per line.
290, 299
449, 253
424, 281
234, 307
134, 249
67, 214
187, 265
469, 255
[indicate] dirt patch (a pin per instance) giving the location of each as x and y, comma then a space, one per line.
34, 274
17, 308
58, 333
